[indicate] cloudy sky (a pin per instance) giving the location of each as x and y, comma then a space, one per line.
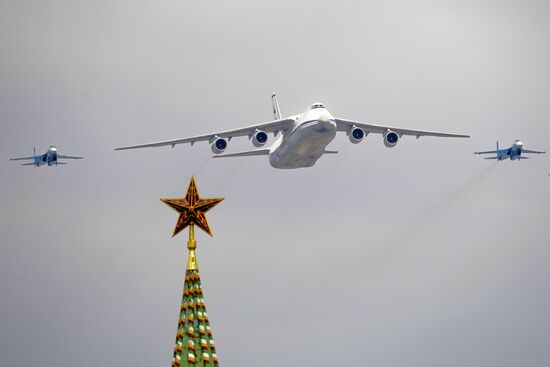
420, 255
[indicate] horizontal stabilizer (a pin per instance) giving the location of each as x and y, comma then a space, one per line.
331, 152
491, 158
27, 164
522, 158
244, 154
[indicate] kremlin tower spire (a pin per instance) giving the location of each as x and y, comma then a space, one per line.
194, 342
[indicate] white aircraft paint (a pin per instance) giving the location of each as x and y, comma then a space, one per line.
304, 137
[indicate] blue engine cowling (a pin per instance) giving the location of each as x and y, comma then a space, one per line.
259, 138
391, 138
219, 145
356, 134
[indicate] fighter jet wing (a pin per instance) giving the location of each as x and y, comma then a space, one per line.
487, 152
68, 157
531, 151
345, 125
20, 159
269, 127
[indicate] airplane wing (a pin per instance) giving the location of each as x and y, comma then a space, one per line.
345, 125
269, 127
487, 152
20, 159
68, 157
531, 151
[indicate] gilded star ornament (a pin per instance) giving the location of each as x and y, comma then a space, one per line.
192, 209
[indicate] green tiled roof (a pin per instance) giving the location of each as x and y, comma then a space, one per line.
194, 342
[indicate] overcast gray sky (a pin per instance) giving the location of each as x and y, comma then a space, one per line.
421, 255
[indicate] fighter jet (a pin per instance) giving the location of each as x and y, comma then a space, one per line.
303, 139
513, 152
51, 158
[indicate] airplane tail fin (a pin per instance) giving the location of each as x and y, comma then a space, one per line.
34, 152
276, 109
497, 144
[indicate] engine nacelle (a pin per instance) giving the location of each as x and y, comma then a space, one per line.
259, 138
219, 145
391, 138
356, 134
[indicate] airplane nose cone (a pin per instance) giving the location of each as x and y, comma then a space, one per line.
323, 119
324, 124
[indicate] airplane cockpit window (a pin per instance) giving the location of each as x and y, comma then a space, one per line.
316, 105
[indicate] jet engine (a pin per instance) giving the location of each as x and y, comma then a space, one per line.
219, 145
391, 138
259, 138
356, 134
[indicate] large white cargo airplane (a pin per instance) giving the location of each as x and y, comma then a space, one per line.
303, 139
514, 152
51, 158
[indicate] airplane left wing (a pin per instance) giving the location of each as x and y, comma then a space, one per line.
531, 151
346, 125
269, 127
68, 157
488, 152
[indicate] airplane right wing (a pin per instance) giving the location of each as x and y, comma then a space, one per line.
268, 127
20, 159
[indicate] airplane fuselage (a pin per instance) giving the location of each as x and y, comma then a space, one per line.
49, 158
513, 153
306, 142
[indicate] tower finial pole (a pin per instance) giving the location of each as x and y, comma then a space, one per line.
192, 245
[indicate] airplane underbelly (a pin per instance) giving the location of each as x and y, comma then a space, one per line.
303, 147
